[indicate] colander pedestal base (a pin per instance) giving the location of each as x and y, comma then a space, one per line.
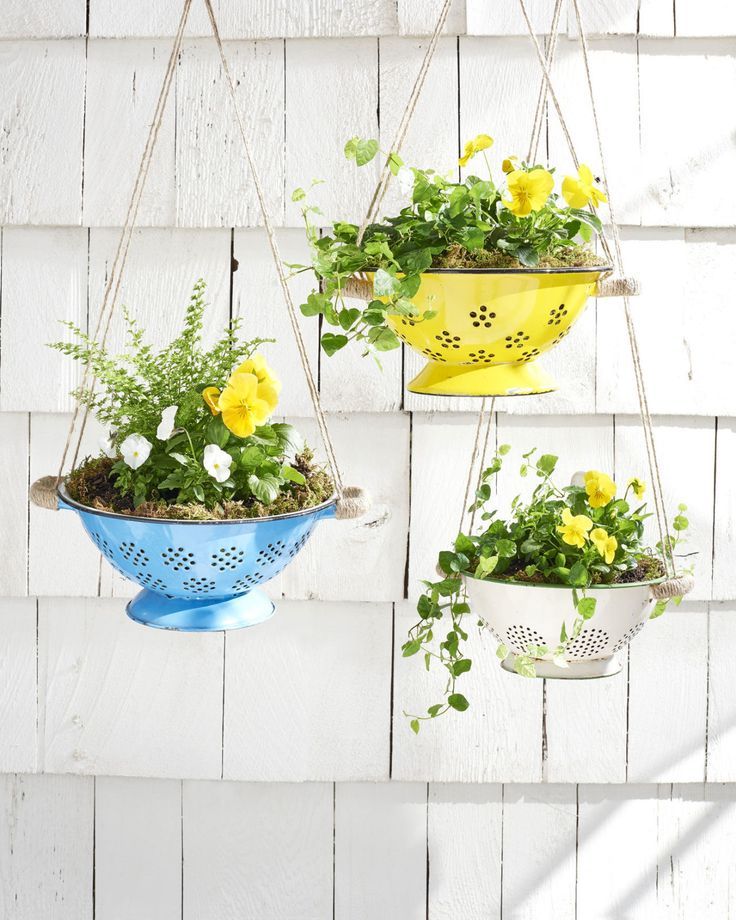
587, 669
436, 379
187, 615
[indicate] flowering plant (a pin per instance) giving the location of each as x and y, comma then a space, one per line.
515, 222
190, 429
578, 535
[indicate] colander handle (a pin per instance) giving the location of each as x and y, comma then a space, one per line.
617, 286
677, 586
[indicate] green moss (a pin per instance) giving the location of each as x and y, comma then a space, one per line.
648, 568
569, 257
93, 484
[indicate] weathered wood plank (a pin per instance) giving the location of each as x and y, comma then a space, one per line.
586, 730
539, 827
214, 185
258, 850
123, 700
683, 322
686, 456
617, 851
507, 18
14, 449
258, 301
419, 17
613, 65
44, 282
304, 689
380, 850
123, 84
724, 529
62, 560
162, 268
138, 867
493, 71
464, 847
262, 19
42, 118
367, 556
667, 718
498, 739
695, 830
678, 189
18, 685
721, 739
41, 19
331, 96
707, 19
46, 847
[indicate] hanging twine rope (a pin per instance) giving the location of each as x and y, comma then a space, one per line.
398, 141
353, 501
273, 244
542, 97
112, 288
660, 512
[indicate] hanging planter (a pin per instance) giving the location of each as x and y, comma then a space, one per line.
487, 327
480, 277
199, 496
563, 584
199, 575
520, 616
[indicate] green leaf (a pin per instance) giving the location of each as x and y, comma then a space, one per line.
298, 194
434, 710
586, 607
458, 701
394, 163
265, 488
659, 609
461, 666
415, 726
361, 150
384, 284
292, 475
382, 338
316, 303
546, 464
216, 432
348, 317
332, 343
486, 566
410, 648
502, 651
524, 666
416, 262
579, 575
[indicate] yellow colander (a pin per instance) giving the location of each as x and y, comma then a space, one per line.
491, 325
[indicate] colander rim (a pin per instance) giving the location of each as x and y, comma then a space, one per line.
73, 503
525, 584
561, 270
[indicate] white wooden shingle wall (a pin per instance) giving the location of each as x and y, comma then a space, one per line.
247, 775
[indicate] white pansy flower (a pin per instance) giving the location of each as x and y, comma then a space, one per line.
166, 426
217, 462
107, 447
135, 450
405, 178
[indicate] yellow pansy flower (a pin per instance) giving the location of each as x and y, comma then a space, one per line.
211, 395
574, 528
583, 190
600, 488
605, 545
509, 164
638, 486
243, 405
256, 364
481, 142
529, 191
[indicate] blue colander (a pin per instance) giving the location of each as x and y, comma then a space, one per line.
198, 575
